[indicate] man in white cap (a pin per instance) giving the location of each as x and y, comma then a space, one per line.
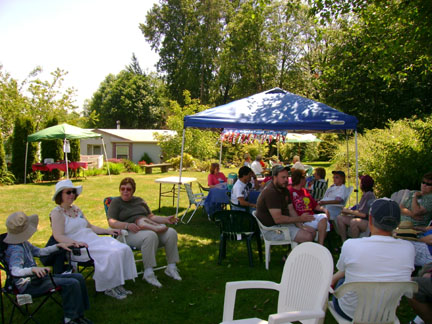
379, 257
20, 257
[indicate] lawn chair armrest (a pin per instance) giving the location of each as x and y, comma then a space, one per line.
231, 290
295, 316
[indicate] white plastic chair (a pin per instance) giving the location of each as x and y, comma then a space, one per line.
303, 290
197, 199
376, 301
335, 209
269, 243
400, 195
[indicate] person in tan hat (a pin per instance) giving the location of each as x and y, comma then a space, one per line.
20, 255
114, 261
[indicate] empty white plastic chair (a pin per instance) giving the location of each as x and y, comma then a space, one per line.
303, 290
269, 243
377, 301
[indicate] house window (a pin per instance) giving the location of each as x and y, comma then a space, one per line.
122, 152
94, 149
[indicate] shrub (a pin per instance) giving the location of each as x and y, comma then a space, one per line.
115, 168
396, 157
95, 172
188, 161
23, 127
52, 149
130, 166
145, 157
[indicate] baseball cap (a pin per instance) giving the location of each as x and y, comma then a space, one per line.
278, 168
341, 173
386, 214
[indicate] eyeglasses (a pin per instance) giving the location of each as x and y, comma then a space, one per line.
69, 192
125, 189
427, 183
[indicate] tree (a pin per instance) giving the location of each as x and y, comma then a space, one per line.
133, 99
186, 34
23, 127
198, 143
381, 66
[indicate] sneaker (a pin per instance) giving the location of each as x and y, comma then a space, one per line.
113, 293
122, 291
173, 273
152, 280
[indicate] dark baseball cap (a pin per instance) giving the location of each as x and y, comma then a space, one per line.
341, 173
278, 168
386, 214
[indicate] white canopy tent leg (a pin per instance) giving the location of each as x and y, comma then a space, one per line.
25, 164
356, 159
348, 160
106, 158
220, 154
180, 173
66, 159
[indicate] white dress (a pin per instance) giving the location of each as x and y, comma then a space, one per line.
114, 261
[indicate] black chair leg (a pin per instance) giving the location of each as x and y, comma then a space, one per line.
222, 247
249, 248
258, 237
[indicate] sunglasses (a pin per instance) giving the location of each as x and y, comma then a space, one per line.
69, 192
125, 189
427, 183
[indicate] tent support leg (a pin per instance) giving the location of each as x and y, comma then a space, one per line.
180, 173
106, 158
25, 164
356, 159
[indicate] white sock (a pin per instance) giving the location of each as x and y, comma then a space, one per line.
67, 319
148, 272
172, 266
418, 320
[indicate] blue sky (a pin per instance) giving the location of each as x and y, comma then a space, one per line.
87, 38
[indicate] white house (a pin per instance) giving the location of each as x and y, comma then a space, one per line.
128, 144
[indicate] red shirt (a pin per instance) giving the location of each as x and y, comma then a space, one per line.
302, 201
214, 179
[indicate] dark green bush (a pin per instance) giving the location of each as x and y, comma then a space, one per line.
52, 149
145, 157
396, 157
23, 127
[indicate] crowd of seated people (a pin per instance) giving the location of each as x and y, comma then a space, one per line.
378, 257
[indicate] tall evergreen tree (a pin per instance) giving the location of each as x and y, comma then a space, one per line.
24, 126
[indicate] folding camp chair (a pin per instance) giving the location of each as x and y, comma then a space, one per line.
21, 302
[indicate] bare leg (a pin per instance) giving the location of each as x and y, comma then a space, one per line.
342, 222
358, 225
423, 310
322, 230
304, 236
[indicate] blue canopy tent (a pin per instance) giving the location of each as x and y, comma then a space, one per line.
275, 109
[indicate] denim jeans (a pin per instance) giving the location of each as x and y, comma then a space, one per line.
73, 292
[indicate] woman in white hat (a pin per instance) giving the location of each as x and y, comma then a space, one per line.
114, 261
20, 255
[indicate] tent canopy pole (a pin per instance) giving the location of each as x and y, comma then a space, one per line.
180, 173
106, 158
25, 164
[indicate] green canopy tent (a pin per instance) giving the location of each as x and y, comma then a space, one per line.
65, 132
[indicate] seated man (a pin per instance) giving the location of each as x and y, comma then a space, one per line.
240, 191
257, 167
417, 207
379, 257
334, 195
274, 208
422, 300
304, 204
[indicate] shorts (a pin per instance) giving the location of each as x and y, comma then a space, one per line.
318, 218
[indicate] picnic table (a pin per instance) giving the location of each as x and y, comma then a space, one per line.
148, 168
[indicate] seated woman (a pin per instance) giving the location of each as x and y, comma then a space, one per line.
20, 255
357, 218
114, 261
423, 247
215, 177
147, 231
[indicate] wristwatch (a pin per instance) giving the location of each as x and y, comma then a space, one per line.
126, 226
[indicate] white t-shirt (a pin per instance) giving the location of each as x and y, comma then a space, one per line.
374, 258
239, 189
256, 167
335, 192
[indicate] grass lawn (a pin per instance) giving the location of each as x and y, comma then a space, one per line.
196, 299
